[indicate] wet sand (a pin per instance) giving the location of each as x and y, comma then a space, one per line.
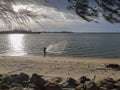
60, 66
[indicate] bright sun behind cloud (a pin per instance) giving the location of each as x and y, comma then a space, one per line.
19, 7
48, 15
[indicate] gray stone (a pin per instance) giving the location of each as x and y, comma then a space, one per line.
117, 85
23, 77
91, 85
5, 79
102, 88
72, 82
20, 79
37, 80
4, 87
115, 89
83, 79
17, 88
81, 87
31, 85
52, 86
113, 66
108, 83
67, 89
15, 85
28, 89
1, 75
69, 83
56, 79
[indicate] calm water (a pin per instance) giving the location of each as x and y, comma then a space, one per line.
78, 45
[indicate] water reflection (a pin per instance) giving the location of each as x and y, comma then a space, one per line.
16, 44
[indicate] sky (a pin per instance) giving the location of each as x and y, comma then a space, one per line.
54, 16
95, 27
68, 20
84, 27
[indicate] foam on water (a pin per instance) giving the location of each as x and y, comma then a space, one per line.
57, 47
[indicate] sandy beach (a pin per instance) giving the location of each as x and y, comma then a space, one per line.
59, 66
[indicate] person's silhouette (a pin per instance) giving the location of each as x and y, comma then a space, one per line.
44, 51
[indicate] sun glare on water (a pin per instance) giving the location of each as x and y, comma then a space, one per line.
16, 44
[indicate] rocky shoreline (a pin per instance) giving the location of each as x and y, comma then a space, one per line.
23, 81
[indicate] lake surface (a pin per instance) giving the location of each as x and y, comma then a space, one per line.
78, 45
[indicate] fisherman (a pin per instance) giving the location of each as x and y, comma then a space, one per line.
44, 51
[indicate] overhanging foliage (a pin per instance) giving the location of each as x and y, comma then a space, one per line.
90, 10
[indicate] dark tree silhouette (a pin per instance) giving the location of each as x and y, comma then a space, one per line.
90, 10
9, 17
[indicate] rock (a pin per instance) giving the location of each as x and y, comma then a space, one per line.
83, 79
115, 89
20, 79
118, 80
25, 83
15, 85
31, 85
108, 83
56, 79
38, 81
117, 85
104, 81
102, 88
4, 87
71, 80
29, 89
13, 75
1, 75
91, 85
69, 83
113, 66
67, 89
5, 79
23, 77
87, 85
17, 88
65, 85
52, 86
81, 87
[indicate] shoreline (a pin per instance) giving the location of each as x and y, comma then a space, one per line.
59, 66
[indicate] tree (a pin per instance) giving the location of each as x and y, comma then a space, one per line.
91, 10
8, 16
